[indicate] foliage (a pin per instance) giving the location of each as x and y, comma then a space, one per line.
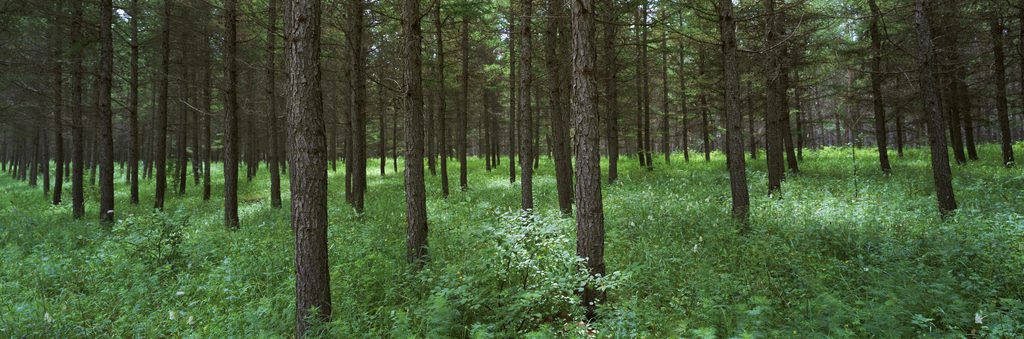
831, 258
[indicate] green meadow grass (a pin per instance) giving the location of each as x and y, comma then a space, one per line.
844, 252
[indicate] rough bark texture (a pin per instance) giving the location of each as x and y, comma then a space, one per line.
231, 157
512, 100
525, 86
357, 75
106, 113
58, 119
442, 122
611, 94
590, 211
648, 147
933, 114
415, 189
78, 155
555, 50
207, 123
275, 173
462, 138
773, 77
665, 116
308, 172
998, 72
734, 118
133, 109
881, 137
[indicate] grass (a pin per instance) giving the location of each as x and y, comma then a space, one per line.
838, 255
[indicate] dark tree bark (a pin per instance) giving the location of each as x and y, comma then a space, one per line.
462, 138
77, 116
133, 108
415, 190
554, 49
941, 173
357, 74
58, 110
733, 116
611, 85
774, 144
183, 119
967, 121
648, 147
665, 117
160, 153
442, 122
275, 173
999, 73
787, 129
106, 116
382, 145
513, 90
750, 120
308, 172
881, 135
231, 158
207, 120
640, 69
44, 161
590, 209
684, 105
525, 85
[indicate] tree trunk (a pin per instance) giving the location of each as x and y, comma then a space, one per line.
133, 109
774, 144
933, 114
106, 113
525, 86
734, 117
357, 75
442, 121
462, 144
513, 90
665, 117
415, 190
308, 172
611, 29
590, 209
648, 147
58, 119
787, 129
881, 135
555, 49
685, 104
77, 115
207, 119
967, 121
750, 120
231, 158
999, 71
275, 173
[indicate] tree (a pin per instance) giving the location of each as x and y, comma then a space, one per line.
734, 117
586, 148
555, 50
275, 173
462, 139
78, 155
58, 110
133, 108
106, 113
415, 190
876, 87
356, 163
442, 124
611, 85
160, 152
231, 157
773, 80
525, 88
308, 172
999, 75
932, 113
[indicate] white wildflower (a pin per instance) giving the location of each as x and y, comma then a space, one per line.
180, 293
48, 318
170, 315
978, 318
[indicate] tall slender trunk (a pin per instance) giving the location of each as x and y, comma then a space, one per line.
358, 109
77, 116
525, 86
462, 144
648, 147
750, 120
106, 116
275, 170
58, 110
733, 115
555, 49
787, 129
611, 89
590, 209
665, 117
774, 144
685, 104
442, 121
513, 90
999, 73
308, 172
415, 190
876, 88
933, 114
207, 119
133, 108
231, 221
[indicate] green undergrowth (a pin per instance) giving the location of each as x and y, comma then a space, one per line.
845, 251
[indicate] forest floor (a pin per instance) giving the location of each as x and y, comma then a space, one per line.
844, 252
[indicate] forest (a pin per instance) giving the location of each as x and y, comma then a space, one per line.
626, 168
